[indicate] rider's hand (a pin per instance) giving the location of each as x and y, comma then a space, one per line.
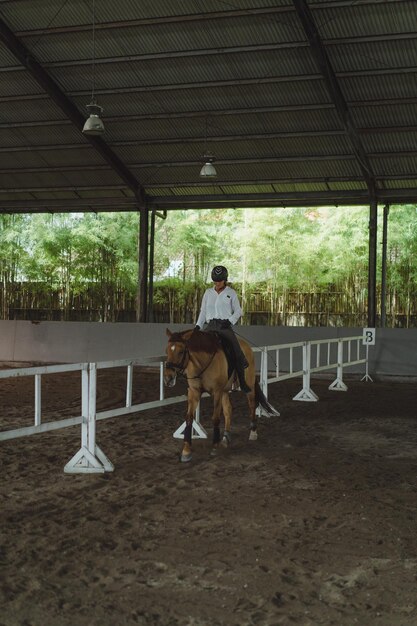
197, 327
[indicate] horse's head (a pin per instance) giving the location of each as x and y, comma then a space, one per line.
177, 357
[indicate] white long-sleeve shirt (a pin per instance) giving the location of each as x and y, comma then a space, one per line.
223, 306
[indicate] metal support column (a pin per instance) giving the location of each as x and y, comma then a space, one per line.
142, 294
151, 264
384, 266
154, 215
373, 228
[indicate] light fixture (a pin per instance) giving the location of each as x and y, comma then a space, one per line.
208, 170
94, 124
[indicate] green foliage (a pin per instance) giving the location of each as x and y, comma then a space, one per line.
271, 251
402, 245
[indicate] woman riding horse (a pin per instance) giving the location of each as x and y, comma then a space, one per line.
220, 310
199, 357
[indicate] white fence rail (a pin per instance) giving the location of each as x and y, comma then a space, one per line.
37, 373
300, 360
305, 358
90, 458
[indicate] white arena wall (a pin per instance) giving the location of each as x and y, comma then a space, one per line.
395, 352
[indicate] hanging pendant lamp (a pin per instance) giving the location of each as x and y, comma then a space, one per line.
94, 124
208, 170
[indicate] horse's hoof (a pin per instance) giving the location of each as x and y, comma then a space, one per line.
253, 435
227, 439
186, 458
214, 452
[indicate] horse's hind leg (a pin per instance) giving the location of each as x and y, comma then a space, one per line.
253, 434
227, 412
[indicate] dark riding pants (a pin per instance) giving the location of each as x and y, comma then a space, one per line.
224, 328
230, 337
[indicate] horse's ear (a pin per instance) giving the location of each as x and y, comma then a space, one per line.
168, 332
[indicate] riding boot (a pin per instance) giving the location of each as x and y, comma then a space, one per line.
240, 370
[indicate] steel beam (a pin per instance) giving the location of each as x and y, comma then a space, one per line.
167, 203
333, 88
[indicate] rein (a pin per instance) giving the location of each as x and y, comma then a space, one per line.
203, 370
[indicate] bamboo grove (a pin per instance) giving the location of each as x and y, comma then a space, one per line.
290, 266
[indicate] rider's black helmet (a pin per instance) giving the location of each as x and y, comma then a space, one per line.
219, 272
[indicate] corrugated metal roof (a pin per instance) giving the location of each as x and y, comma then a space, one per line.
395, 115
168, 73
398, 85
403, 165
397, 142
401, 184
374, 55
365, 19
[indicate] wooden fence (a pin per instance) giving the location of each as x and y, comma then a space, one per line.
331, 307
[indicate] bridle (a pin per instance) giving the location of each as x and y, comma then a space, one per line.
180, 367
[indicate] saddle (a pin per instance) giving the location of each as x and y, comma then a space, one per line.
210, 340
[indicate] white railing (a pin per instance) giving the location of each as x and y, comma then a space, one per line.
300, 359
90, 458
304, 358
37, 373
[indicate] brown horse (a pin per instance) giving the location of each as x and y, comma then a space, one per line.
199, 356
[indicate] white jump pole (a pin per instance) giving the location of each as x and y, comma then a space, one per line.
338, 384
129, 385
38, 400
306, 394
161, 380
263, 380
89, 459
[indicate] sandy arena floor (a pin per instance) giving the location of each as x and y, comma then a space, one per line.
315, 523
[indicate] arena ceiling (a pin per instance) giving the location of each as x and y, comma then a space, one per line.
301, 103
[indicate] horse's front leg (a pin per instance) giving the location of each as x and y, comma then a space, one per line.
193, 400
217, 408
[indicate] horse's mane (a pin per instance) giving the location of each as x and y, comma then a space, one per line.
197, 341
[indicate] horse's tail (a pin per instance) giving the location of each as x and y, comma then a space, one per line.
263, 402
